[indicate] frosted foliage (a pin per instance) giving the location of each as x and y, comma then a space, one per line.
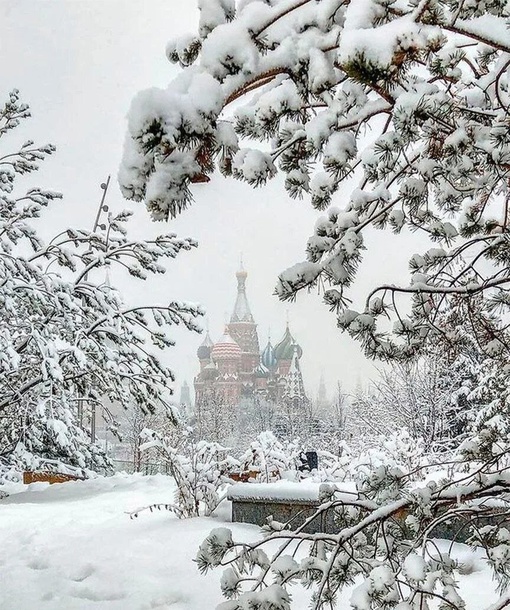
200, 470
398, 450
51, 439
383, 551
415, 568
68, 341
383, 543
269, 457
430, 399
213, 13
253, 165
400, 105
388, 502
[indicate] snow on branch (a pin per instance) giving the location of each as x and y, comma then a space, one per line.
306, 82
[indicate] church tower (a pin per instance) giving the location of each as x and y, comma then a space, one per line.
294, 390
185, 399
243, 330
236, 377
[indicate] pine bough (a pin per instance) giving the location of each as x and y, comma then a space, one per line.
397, 110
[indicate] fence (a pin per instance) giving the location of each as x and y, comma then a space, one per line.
143, 467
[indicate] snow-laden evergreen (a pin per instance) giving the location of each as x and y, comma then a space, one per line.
403, 106
398, 113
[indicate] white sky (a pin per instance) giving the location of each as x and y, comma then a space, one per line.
78, 63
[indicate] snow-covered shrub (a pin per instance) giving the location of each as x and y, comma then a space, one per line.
384, 546
399, 450
10, 471
333, 467
200, 470
269, 458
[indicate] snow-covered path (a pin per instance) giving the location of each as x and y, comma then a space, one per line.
72, 547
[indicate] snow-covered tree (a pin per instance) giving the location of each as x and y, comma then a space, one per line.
66, 335
402, 107
133, 422
48, 436
327, 429
428, 395
256, 414
398, 110
491, 424
215, 417
384, 546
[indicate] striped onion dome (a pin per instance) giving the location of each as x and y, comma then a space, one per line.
268, 357
226, 348
284, 350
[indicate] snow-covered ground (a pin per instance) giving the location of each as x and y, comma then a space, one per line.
73, 547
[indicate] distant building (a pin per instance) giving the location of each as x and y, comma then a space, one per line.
185, 398
234, 368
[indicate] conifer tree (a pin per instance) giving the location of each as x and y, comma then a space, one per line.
397, 113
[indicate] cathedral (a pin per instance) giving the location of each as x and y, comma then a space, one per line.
235, 369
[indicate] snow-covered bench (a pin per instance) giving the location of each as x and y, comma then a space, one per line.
285, 501
292, 502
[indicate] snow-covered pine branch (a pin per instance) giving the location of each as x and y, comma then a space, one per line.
384, 545
410, 99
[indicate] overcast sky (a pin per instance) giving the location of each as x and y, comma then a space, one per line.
78, 63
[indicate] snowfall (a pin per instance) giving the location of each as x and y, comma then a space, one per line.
74, 546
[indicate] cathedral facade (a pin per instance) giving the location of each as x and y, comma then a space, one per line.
234, 368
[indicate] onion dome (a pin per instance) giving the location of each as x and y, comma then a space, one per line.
204, 351
268, 357
284, 350
226, 348
261, 372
